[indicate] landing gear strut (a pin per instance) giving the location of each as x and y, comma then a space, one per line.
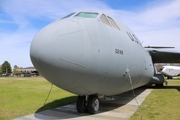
87, 104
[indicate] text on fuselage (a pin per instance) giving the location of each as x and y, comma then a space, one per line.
118, 51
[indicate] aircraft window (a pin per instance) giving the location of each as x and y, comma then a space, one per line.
135, 38
68, 15
87, 15
130, 36
113, 23
161, 68
105, 20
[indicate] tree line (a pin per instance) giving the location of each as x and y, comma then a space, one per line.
5, 69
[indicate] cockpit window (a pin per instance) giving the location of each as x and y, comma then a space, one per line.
113, 23
87, 15
68, 15
162, 68
104, 20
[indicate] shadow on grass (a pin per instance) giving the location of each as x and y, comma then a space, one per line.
166, 87
57, 103
70, 111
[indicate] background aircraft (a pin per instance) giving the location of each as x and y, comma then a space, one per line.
170, 71
94, 55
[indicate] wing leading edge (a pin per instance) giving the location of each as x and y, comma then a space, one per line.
163, 55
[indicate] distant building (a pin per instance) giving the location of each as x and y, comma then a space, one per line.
29, 70
0, 69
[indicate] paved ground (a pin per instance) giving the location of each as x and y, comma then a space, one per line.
121, 108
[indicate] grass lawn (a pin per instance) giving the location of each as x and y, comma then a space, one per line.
162, 103
21, 96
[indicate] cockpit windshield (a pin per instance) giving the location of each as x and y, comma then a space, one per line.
162, 68
68, 15
87, 15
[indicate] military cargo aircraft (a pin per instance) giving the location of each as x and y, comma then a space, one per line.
170, 71
94, 55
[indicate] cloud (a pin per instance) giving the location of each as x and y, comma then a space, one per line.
166, 37
160, 24
162, 16
155, 16
155, 23
27, 15
15, 47
54, 9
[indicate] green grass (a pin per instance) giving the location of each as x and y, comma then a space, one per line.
161, 103
21, 96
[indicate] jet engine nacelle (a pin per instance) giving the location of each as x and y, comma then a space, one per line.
157, 79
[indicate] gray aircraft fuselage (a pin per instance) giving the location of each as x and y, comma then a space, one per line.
86, 56
90, 53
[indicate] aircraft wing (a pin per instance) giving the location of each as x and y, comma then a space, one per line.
163, 55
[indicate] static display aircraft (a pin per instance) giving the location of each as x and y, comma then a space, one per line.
170, 71
94, 55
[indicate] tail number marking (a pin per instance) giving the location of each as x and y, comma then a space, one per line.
118, 51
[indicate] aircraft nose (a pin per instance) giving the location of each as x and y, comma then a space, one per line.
60, 53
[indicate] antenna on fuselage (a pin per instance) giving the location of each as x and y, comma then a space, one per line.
48, 94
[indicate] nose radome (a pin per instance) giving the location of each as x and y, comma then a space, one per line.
60, 52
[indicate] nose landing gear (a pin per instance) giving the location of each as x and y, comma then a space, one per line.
88, 104
81, 104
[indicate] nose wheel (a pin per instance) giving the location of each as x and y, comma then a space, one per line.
93, 104
89, 104
81, 104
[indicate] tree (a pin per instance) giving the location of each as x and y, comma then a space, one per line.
16, 70
0, 69
6, 67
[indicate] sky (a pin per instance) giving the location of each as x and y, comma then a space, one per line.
155, 22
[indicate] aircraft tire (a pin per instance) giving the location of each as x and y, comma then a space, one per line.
81, 104
159, 85
93, 104
169, 77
